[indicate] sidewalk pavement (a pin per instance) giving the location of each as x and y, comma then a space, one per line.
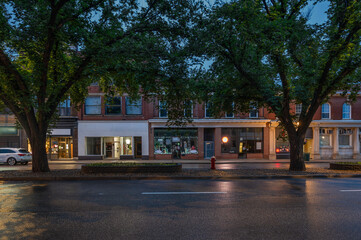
196, 161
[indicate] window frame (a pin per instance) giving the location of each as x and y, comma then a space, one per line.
160, 108
343, 110
329, 111
113, 105
230, 116
128, 103
191, 108
298, 108
100, 105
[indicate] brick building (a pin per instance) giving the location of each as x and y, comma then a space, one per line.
118, 128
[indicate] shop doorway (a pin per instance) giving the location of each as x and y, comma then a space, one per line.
60, 147
138, 147
208, 149
209, 143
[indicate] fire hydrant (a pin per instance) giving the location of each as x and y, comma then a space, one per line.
213, 163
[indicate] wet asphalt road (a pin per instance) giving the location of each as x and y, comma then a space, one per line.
182, 209
54, 166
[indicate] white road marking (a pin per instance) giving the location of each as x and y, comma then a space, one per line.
165, 193
350, 190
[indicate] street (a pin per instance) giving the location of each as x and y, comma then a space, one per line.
182, 209
64, 165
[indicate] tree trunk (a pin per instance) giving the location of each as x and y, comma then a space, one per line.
38, 147
296, 153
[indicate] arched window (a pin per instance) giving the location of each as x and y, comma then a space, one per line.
346, 111
325, 113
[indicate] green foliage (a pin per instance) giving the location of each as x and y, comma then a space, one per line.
267, 51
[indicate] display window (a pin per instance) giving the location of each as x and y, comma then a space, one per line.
176, 141
242, 140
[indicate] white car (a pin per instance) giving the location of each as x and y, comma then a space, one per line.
12, 156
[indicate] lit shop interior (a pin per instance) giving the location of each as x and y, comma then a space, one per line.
109, 147
176, 141
59, 147
242, 141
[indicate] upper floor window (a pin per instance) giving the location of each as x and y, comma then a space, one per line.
163, 113
346, 111
230, 114
253, 112
298, 109
64, 108
113, 106
188, 109
133, 107
325, 111
93, 105
208, 112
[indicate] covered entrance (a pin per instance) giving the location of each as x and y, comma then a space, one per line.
60, 147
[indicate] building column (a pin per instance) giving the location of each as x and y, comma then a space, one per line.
272, 143
335, 153
218, 142
356, 143
200, 143
315, 153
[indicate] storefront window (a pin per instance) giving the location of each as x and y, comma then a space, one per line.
175, 141
282, 143
344, 137
325, 137
93, 145
242, 140
325, 140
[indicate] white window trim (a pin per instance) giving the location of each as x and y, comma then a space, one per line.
159, 110
350, 111
329, 111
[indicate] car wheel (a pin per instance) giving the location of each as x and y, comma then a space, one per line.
11, 161
24, 163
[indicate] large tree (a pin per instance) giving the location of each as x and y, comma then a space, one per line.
50, 49
269, 52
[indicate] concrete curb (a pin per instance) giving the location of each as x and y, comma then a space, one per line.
91, 178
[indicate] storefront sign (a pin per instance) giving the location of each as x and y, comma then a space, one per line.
60, 132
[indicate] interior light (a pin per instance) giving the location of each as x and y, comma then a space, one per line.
127, 141
225, 139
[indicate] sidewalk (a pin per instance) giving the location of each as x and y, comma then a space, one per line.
196, 161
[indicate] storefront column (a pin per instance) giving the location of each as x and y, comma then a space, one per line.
315, 153
200, 143
272, 143
356, 143
335, 154
218, 142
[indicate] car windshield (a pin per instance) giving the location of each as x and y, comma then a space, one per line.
23, 151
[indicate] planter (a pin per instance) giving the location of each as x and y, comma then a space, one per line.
141, 168
345, 166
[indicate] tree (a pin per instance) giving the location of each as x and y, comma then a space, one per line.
50, 49
268, 51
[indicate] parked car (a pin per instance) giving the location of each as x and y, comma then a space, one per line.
12, 156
